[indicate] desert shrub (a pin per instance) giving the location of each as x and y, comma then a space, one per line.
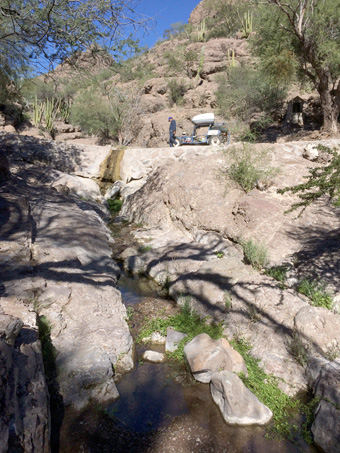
298, 349
114, 206
255, 254
37, 89
316, 292
278, 273
176, 91
177, 30
248, 168
109, 115
94, 115
174, 62
244, 91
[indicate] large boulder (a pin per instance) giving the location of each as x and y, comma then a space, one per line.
237, 404
205, 356
326, 426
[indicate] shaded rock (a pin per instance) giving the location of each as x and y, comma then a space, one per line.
153, 356
326, 426
237, 404
113, 192
173, 338
205, 356
81, 187
9, 328
4, 167
24, 398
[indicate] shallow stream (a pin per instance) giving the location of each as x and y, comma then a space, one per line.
161, 409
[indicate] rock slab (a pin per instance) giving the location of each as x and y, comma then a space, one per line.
206, 356
237, 404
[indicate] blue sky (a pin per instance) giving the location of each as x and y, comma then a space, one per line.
165, 14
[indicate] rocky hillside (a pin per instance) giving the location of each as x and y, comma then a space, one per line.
178, 77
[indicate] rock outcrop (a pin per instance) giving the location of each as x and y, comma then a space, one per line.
325, 382
56, 259
24, 399
194, 224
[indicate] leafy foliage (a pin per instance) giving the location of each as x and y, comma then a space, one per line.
114, 206
248, 167
278, 273
227, 17
187, 321
246, 91
323, 180
302, 37
316, 292
111, 115
176, 92
177, 30
52, 31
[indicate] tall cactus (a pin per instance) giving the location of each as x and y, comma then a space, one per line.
50, 114
231, 58
201, 31
247, 24
38, 110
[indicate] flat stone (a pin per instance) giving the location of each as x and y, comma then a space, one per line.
237, 404
153, 356
173, 338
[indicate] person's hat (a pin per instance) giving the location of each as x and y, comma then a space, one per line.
170, 118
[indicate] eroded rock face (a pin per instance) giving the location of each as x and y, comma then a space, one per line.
326, 426
237, 404
192, 217
56, 258
24, 398
205, 356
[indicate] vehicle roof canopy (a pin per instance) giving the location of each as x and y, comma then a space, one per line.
205, 118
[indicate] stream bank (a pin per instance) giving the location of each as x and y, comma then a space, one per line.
161, 408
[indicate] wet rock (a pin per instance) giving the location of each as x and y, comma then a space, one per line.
237, 404
173, 338
153, 356
205, 356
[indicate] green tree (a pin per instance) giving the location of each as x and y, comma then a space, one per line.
111, 115
50, 31
321, 181
304, 34
246, 91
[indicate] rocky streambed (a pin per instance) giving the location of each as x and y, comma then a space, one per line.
59, 283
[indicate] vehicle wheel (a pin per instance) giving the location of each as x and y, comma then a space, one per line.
177, 143
214, 140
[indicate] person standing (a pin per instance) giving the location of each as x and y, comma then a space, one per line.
172, 131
